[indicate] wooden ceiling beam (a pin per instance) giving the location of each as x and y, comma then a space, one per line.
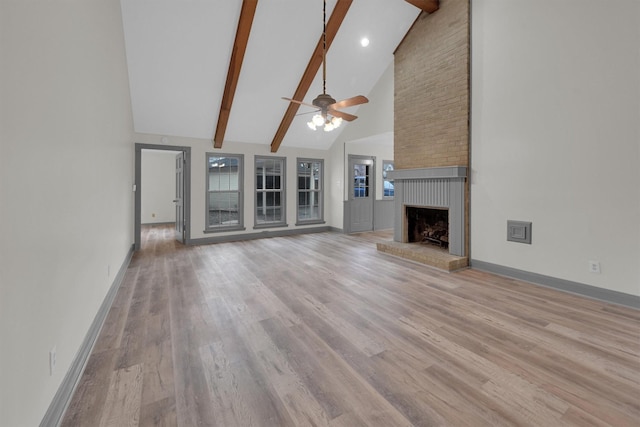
428, 6
333, 25
235, 65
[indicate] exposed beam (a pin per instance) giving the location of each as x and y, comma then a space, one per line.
428, 6
235, 64
333, 25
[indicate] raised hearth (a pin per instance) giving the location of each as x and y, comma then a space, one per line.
424, 254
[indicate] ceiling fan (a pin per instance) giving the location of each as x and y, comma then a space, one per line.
329, 115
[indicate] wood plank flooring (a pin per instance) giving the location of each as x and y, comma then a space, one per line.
322, 330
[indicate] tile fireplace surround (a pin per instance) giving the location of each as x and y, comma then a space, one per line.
439, 187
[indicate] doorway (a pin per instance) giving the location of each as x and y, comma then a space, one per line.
182, 198
361, 193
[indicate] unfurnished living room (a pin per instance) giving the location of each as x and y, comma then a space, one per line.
320, 213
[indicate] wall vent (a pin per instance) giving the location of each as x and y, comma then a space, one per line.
519, 231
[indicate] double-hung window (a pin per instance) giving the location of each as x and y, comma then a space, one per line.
387, 183
310, 176
270, 192
224, 192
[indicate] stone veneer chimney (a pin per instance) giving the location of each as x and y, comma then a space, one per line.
432, 102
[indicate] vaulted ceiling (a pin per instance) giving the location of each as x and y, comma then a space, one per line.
179, 54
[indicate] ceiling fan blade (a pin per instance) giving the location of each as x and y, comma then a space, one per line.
299, 102
350, 102
307, 112
344, 116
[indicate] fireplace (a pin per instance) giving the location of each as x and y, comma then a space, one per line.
437, 196
429, 206
427, 225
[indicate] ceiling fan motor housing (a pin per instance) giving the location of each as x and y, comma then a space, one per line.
323, 101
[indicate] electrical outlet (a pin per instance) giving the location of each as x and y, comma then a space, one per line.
594, 267
52, 360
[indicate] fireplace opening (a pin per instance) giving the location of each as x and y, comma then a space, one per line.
428, 226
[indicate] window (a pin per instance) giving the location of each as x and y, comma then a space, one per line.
310, 175
224, 192
270, 183
387, 183
361, 180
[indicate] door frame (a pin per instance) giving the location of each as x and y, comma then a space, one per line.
138, 189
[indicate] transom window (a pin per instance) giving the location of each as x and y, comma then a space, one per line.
310, 176
224, 192
270, 191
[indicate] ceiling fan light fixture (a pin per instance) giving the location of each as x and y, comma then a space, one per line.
328, 122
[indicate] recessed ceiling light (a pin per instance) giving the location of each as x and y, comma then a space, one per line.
364, 42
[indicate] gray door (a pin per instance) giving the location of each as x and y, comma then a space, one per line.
361, 193
179, 199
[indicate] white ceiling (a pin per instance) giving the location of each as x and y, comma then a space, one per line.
178, 54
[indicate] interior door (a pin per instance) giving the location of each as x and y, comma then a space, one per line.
361, 193
179, 199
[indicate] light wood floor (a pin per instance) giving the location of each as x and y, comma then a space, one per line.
322, 330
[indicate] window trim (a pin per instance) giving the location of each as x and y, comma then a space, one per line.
320, 192
225, 228
283, 194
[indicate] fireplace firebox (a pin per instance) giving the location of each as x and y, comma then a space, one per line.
427, 225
